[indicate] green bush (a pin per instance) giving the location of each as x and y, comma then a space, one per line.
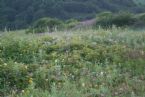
71, 23
24, 50
13, 77
140, 20
45, 25
108, 19
20, 51
141, 16
104, 19
123, 19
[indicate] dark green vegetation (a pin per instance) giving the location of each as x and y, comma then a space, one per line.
104, 19
15, 14
45, 24
121, 19
50, 25
90, 63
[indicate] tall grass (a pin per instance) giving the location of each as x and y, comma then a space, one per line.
79, 63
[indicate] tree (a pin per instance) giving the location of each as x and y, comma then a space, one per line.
104, 19
18, 14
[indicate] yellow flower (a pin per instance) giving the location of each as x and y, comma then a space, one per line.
30, 80
26, 67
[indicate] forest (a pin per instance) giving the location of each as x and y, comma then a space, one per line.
18, 14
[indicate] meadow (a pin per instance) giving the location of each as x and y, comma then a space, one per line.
77, 63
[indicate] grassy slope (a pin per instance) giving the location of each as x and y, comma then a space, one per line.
82, 63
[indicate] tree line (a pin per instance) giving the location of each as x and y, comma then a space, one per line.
16, 14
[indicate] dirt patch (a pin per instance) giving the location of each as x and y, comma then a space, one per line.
86, 23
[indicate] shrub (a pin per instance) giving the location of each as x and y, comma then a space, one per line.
22, 50
45, 25
104, 19
107, 19
123, 19
141, 16
140, 20
71, 23
13, 76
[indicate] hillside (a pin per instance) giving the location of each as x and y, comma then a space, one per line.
140, 2
16, 14
81, 63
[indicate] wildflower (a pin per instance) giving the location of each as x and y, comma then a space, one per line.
26, 67
83, 84
142, 52
96, 86
30, 80
5, 64
23, 91
62, 60
102, 73
56, 61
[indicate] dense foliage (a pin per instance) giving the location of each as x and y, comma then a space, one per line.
16, 14
81, 63
51, 25
103, 19
45, 25
121, 19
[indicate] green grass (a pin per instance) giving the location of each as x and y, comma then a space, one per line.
79, 63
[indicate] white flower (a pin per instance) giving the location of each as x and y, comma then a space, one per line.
26, 67
101, 73
142, 52
23, 91
56, 61
83, 84
5, 64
